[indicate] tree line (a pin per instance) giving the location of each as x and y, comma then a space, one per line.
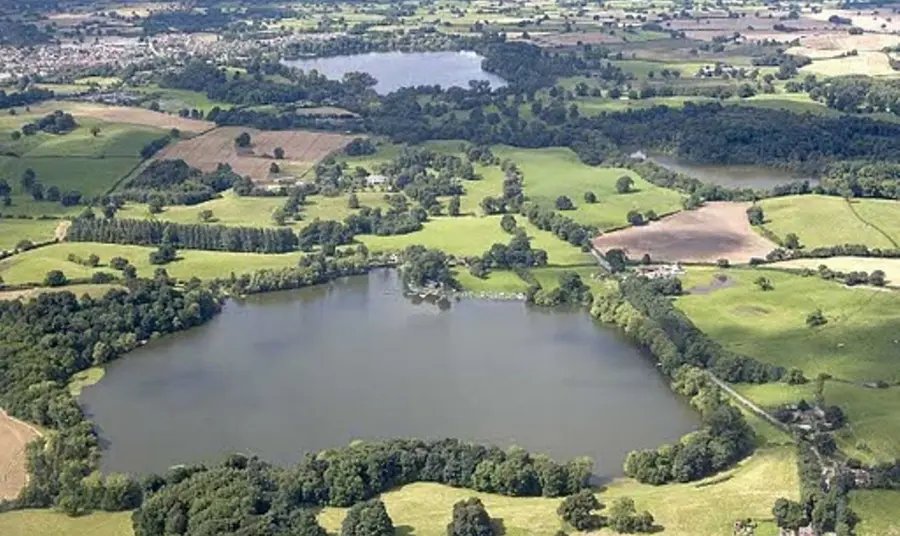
174, 182
186, 236
24, 98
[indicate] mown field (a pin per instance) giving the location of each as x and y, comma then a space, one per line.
873, 222
50, 523
32, 266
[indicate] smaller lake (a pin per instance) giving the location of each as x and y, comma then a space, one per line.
395, 70
730, 176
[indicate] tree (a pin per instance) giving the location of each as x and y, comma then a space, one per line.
623, 517
578, 510
470, 519
55, 278
635, 218
155, 205
651, 215
53, 194
206, 216
790, 515
243, 140
368, 518
453, 206
37, 191
755, 215
5, 188
816, 319
624, 184
795, 376
617, 260
792, 241
95, 131
876, 278
564, 203
508, 223
763, 283
353, 202
29, 177
279, 216
278, 153
92, 261
590, 197
109, 211
274, 168
15, 135
118, 263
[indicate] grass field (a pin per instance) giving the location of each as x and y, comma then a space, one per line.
873, 222
497, 282
874, 420
50, 523
856, 344
890, 267
31, 266
13, 230
878, 510
682, 509
557, 171
471, 236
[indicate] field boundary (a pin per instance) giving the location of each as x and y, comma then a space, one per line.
870, 224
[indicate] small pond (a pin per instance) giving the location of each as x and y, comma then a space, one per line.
395, 70
731, 176
287, 373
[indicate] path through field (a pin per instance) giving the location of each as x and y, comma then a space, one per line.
14, 435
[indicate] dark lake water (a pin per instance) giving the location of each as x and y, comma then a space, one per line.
732, 176
294, 372
395, 70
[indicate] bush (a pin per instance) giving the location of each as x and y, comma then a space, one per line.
55, 278
564, 203
624, 184
470, 519
816, 318
578, 511
635, 218
590, 197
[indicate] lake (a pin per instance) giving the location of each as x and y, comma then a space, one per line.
732, 176
287, 373
395, 70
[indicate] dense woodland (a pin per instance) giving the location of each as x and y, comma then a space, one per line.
173, 182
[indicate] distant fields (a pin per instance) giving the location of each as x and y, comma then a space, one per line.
873, 222
856, 344
32, 266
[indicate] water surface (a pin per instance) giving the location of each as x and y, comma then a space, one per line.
394, 70
288, 373
732, 176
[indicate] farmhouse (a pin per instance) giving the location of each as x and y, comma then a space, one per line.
376, 180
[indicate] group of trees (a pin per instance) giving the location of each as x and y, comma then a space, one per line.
570, 290
565, 228
422, 267
174, 182
723, 439
311, 270
578, 511
24, 98
185, 236
518, 253
247, 496
857, 94
58, 122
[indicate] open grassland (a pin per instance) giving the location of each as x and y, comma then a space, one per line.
874, 420
32, 266
878, 512
302, 150
471, 236
715, 231
50, 523
858, 343
873, 222
692, 509
125, 114
549, 277
890, 267
863, 63
174, 100
498, 282
91, 289
557, 171
14, 436
12, 231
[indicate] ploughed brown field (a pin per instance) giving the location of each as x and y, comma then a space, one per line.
302, 150
715, 231
14, 435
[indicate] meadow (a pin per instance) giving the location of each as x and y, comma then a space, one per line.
32, 266
857, 343
12, 231
890, 267
873, 222
51, 523
878, 510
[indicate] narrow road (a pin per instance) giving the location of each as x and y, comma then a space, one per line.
600, 260
749, 404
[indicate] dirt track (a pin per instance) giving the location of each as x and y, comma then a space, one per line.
14, 435
715, 231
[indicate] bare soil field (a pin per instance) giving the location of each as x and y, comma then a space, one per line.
134, 116
871, 20
302, 150
715, 231
836, 42
14, 435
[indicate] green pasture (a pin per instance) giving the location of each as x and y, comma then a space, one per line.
878, 512
873, 222
873, 420
857, 343
32, 266
890, 267
173, 100
13, 230
497, 282
51, 523
467, 236
557, 171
